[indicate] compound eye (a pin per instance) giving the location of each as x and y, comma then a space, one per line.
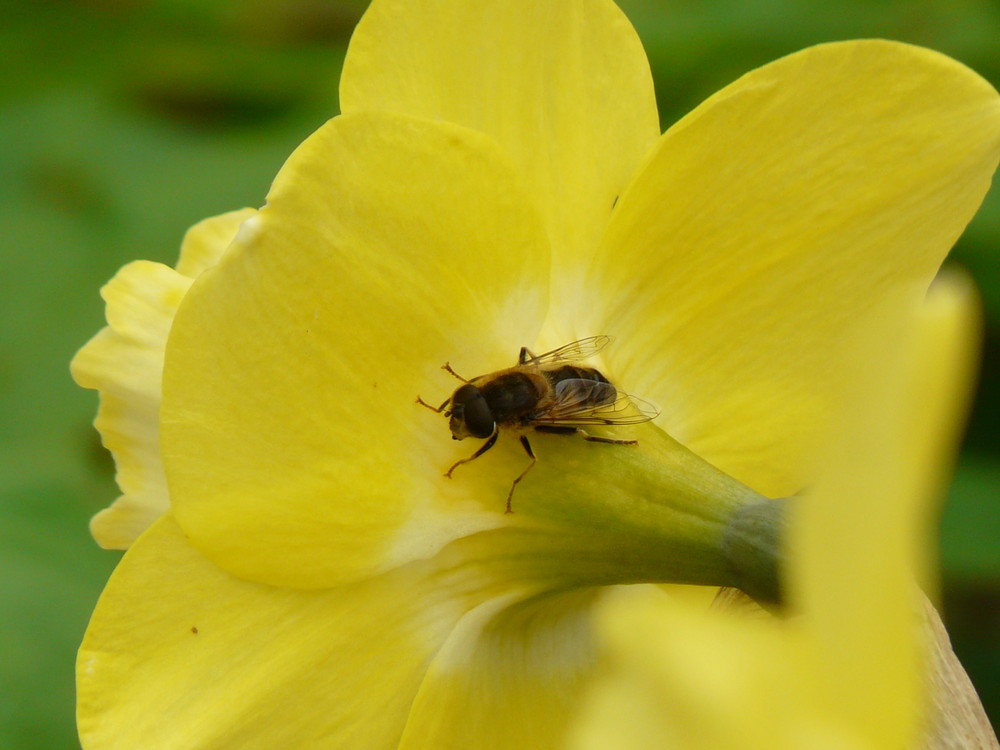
470, 414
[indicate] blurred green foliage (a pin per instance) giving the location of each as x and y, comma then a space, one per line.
125, 121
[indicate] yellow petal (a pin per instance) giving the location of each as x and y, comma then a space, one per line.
691, 680
858, 543
179, 654
680, 679
770, 218
124, 362
206, 241
294, 448
507, 677
564, 87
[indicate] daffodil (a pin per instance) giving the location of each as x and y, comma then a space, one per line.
496, 180
855, 667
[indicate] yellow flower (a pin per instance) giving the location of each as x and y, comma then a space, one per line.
849, 670
496, 181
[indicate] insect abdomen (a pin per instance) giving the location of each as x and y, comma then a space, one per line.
598, 396
571, 372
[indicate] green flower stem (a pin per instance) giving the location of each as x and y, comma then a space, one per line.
753, 545
655, 512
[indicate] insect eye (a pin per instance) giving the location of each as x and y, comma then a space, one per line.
470, 414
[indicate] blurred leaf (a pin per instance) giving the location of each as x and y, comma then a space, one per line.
50, 575
970, 527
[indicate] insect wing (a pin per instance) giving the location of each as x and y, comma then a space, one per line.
574, 352
588, 402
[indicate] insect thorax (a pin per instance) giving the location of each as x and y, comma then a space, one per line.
512, 395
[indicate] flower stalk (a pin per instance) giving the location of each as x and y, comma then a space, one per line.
753, 544
673, 515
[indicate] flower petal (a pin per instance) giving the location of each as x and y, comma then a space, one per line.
564, 87
859, 541
507, 677
179, 654
772, 217
681, 678
206, 241
295, 452
124, 361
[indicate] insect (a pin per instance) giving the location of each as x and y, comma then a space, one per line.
547, 392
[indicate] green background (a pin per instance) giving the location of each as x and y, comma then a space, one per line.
122, 123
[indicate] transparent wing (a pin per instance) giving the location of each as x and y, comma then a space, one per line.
574, 352
580, 402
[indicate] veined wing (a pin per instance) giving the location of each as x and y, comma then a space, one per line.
574, 352
589, 402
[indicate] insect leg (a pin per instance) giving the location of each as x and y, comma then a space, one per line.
554, 429
438, 409
596, 439
531, 455
566, 430
525, 356
447, 368
482, 449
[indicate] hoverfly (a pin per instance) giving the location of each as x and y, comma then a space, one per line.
547, 392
